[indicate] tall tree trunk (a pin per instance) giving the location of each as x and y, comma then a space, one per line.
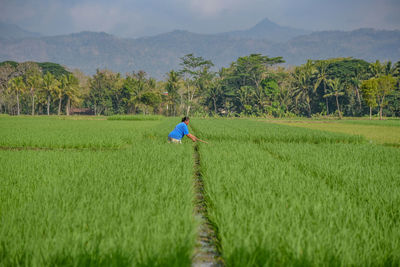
370, 113
308, 107
215, 105
188, 105
190, 99
381, 108
33, 105
338, 107
327, 108
18, 111
187, 110
358, 97
48, 105
326, 100
67, 108
59, 106
181, 104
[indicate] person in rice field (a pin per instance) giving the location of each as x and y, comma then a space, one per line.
180, 131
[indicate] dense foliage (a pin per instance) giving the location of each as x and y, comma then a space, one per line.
253, 85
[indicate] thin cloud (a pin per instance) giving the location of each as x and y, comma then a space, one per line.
97, 17
215, 7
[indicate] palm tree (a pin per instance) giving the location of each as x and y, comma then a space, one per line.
322, 77
337, 89
397, 69
356, 83
18, 86
214, 91
71, 91
140, 85
68, 87
50, 86
60, 91
172, 87
34, 82
389, 68
303, 83
376, 69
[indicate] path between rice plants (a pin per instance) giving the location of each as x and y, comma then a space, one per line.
206, 251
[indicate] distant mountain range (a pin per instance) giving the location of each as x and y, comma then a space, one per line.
158, 54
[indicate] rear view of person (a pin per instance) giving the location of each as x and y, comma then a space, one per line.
180, 131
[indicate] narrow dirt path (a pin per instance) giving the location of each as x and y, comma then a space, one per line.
206, 251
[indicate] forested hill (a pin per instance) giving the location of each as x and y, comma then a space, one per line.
367, 44
158, 54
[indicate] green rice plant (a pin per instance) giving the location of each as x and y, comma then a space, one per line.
388, 122
285, 203
128, 207
114, 193
56, 133
252, 131
375, 133
135, 117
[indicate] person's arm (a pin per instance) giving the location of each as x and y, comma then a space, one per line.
186, 132
191, 136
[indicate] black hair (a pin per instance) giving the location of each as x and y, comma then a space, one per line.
185, 119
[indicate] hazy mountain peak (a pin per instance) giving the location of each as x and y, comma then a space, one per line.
266, 29
266, 23
12, 31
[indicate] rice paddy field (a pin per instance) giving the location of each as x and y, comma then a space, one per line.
382, 132
98, 192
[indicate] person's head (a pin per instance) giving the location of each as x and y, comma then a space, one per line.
185, 120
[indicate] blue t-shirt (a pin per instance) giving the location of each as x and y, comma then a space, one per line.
179, 132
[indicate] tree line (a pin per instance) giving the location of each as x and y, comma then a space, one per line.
254, 85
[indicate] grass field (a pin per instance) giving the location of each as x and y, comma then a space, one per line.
85, 192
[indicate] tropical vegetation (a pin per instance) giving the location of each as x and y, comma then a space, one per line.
254, 85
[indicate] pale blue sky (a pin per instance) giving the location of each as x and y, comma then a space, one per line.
136, 18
